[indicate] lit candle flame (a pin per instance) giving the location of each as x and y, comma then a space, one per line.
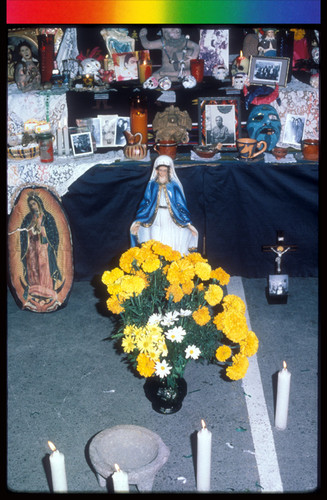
51, 446
284, 365
203, 424
117, 467
241, 53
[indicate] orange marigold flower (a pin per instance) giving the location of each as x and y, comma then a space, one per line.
218, 320
203, 270
235, 327
114, 305
213, 295
223, 352
239, 367
250, 344
176, 292
234, 302
220, 275
145, 365
201, 316
188, 287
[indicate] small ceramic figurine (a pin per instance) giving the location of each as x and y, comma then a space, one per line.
268, 46
219, 71
91, 66
172, 124
177, 51
163, 214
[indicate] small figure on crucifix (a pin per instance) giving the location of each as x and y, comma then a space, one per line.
279, 249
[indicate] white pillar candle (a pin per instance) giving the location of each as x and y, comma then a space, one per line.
120, 480
59, 141
283, 394
58, 471
66, 141
203, 463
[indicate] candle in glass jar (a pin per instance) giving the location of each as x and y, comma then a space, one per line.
139, 118
197, 69
120, 480
203, 462
283, 394
145, 70
58, 471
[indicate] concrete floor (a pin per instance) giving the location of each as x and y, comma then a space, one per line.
66, 383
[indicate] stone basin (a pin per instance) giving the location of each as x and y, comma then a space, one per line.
137, 450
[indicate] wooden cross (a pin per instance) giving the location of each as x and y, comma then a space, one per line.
279, 249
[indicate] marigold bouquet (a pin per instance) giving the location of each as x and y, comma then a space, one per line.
175, 308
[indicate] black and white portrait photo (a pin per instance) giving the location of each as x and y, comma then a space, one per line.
293, 131
82, 144
123, 124
108, 125
278, 284
267, 71
220, 124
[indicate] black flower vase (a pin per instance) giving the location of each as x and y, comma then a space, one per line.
165, 399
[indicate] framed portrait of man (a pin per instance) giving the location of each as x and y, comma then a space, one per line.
219, 121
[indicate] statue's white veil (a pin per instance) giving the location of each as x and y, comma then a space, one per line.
167, 161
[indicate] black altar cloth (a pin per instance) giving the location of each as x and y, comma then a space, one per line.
237, 207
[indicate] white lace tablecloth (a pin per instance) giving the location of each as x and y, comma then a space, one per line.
301, 99
24, 106
58, 175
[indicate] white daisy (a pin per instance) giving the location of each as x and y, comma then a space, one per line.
169, 318
185, 312
192, 352
162, 368
154, 318
176, 334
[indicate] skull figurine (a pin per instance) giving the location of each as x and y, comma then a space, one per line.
219, 71
263, 124
91, 66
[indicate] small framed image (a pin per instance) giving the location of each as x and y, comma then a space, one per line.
123, 124
214, 48
219, 121
278, 284
108, 127
293, 129
269, 70
126, 66
82, 144
95, 129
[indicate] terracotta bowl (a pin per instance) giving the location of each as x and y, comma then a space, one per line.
205, 152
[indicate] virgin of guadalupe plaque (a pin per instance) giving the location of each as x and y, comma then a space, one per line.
39, 251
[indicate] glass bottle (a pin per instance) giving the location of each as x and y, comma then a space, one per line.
139, 117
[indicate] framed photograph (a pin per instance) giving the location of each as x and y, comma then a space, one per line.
219, 121
268, 70
95, 129
126, 66
278, 284
123, 124
108, 127
293, 129
214, 48
82, 144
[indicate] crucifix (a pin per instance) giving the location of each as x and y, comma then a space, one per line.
279, 249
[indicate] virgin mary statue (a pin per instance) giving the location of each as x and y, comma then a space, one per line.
163, 214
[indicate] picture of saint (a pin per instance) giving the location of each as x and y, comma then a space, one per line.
163, 214
40, 254
125, 66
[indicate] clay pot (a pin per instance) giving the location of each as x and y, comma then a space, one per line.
168, 148
206, 151
134, 149
310, 149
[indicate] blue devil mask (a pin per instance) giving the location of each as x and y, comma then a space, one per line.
264, 125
